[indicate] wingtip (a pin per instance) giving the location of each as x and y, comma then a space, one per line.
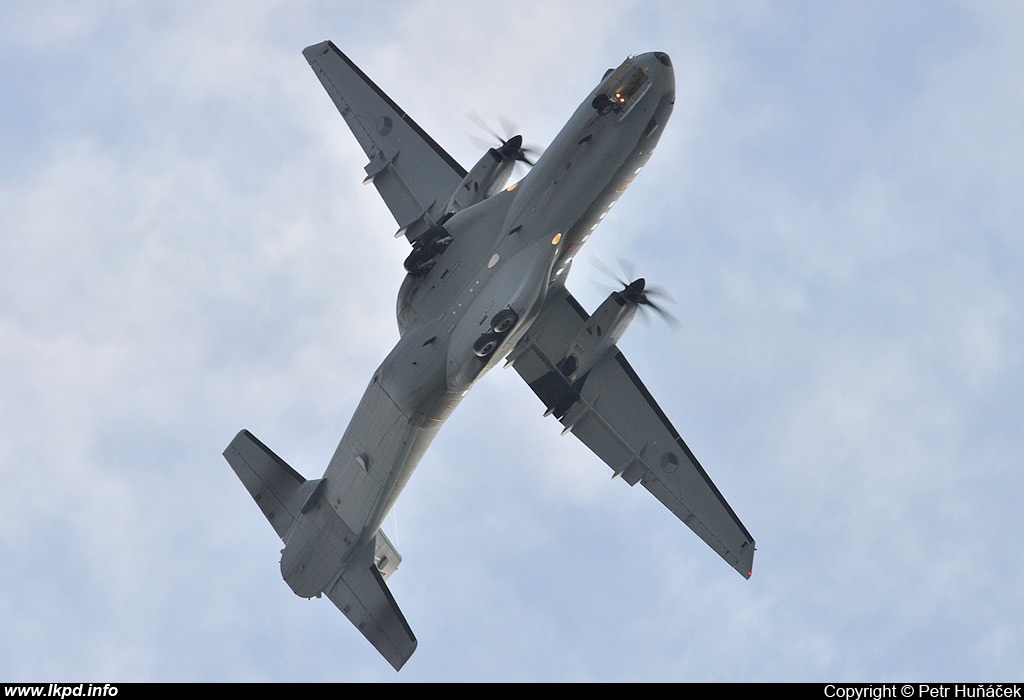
746, 568
313, 51
399, 661
242, 434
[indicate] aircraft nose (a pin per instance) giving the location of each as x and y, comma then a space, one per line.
659, 66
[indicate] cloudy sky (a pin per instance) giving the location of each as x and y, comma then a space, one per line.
186, 250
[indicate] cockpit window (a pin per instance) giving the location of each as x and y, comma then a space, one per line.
622, 89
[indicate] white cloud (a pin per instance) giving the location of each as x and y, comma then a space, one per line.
187, 251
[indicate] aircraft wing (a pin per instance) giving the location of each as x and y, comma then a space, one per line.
413, 174
612, 412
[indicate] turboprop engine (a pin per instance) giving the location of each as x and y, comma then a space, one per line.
489, 175
599, 333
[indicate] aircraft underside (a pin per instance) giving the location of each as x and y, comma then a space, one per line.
485, 279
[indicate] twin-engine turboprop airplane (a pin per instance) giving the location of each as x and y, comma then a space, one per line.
485, 280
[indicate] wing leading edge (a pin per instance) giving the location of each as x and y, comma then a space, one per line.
612, 412
412, 173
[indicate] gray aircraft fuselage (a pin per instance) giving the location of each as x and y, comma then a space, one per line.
505, 253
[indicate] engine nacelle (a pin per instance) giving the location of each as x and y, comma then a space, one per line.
599, 333
488, 176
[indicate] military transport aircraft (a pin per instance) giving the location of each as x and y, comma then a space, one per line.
485, 281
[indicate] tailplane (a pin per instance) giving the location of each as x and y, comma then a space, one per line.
278, 490
359, 591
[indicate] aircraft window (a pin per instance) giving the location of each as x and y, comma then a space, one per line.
622, 89
630, 86
448, 273
651, 127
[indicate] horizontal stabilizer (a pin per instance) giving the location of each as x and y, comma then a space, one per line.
363, 596
278, 490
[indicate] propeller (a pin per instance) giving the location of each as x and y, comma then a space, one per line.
637, 291
511, 148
